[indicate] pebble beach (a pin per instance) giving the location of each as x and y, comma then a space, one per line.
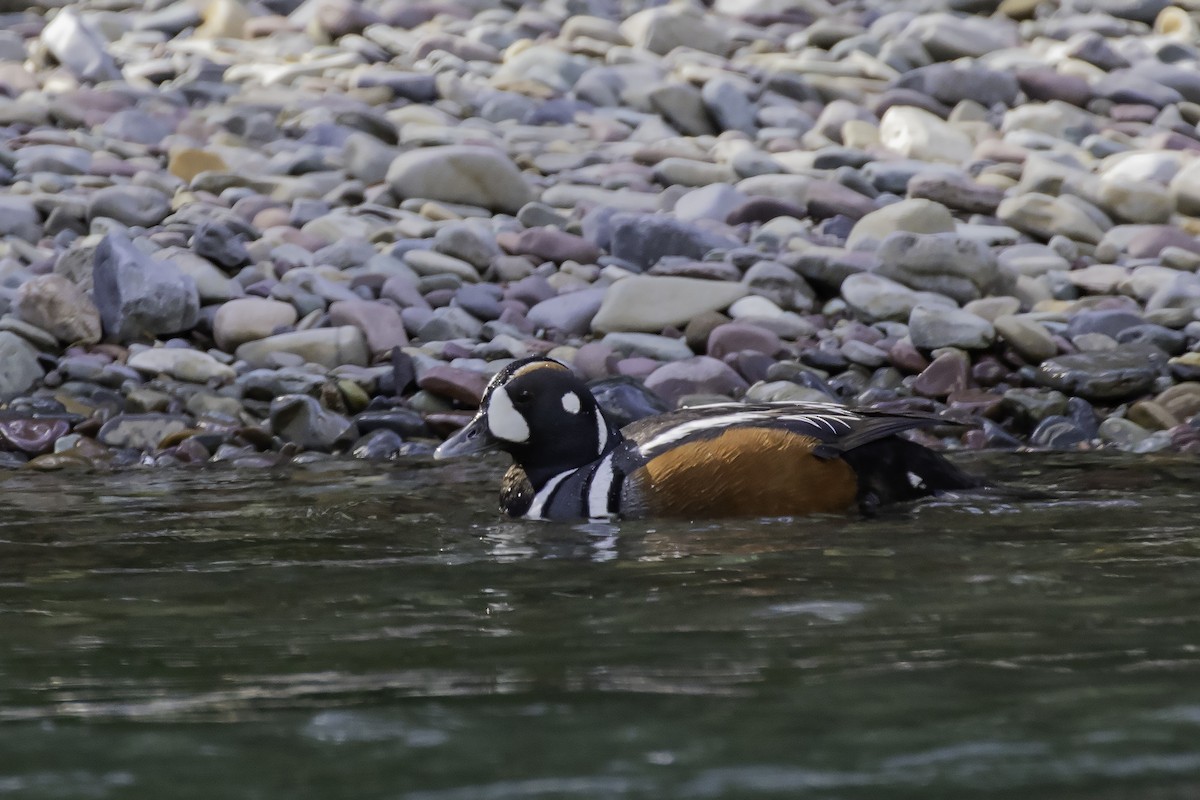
270, 232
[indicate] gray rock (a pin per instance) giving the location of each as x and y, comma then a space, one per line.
181, 363
699, 375
1030, 339
220, 244
1103, 376
139, 297
58, 306
132, 206
960, 268
913, 216
301, 419
367, 158
478, 176
79, 47
140, 431
468, 243
328, 347
643, 239
729, 104
650, 303
21, 368
379, 321
952, 83
932, 328
661, 30
876, 298
650, 345
19, 217
450, 323
571, 313
248, 318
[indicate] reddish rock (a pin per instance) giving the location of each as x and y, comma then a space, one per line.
379, 322
552, 244
699, 375
947, 373
457, 384
735, 337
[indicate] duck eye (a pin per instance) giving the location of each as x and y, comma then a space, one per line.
522, 396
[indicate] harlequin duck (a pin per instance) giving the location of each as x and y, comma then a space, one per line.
728, 459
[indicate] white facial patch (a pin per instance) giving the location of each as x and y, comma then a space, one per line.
570, 402
503, 419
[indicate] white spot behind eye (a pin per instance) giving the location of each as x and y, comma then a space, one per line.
503, 419
570, 402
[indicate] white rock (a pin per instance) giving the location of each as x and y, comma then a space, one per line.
915, 133
181, 364
477, 176
650, 303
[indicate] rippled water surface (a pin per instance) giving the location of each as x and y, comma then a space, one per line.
353, 632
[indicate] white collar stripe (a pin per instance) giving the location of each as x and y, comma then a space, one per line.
599, 487
543, 496
602, 428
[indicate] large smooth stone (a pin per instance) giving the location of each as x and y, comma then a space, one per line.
931, 328
328, 347
643, 239
1044, 216
301, 419
140, 431
139, 297
78, 47
182, 364
661, 30
379, 322
249, 318
914, 216
956, 266
21, 369
477, 176
19, 217
58, 306
1105, 375
571, 313
915, 133
648, 303
699, 375
133, 206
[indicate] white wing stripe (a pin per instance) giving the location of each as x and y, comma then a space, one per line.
831, 417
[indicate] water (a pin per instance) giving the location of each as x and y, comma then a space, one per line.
379, 632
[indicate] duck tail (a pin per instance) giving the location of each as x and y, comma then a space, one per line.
895, 470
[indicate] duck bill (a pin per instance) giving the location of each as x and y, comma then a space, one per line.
472, 439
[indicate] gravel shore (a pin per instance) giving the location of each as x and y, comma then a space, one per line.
254, 232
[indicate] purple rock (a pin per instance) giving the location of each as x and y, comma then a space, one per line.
531, 290
570, 313
1048, 84
636, 367
829, 199
643, 239
32, 436
1153, 239
699, 375
763, 209
735, 337
552, 244
462, 385
948, 373
595, 360
379, 321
